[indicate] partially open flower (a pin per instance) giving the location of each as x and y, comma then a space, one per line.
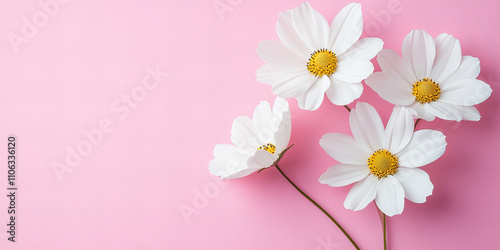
258, 142
384, 163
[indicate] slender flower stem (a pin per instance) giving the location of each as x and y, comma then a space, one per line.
347, 107
385, 232
416, 123
318, 206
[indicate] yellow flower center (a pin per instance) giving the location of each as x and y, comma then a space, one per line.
382, 163
268, 147
322, 62
426, 90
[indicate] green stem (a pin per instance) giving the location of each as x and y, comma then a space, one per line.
385, 233
318, 206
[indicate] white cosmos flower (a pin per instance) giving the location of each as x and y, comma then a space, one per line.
384, 163
433, 78
314, 58
257, 142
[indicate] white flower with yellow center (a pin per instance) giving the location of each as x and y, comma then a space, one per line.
258, 142
433, 78
314, 58
384, 163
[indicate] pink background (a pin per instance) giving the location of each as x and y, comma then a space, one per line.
130, 188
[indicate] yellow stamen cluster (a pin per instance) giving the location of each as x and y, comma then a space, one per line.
382, 163
268, 147
322, 62
426, 90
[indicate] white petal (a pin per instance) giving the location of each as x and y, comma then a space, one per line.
294, 86
344, 174
390, 196
389, 89
227, 151
311, 26
394, 68
281, 123
444, 110
469, 69
261, 159
418, 111
262, 120
448, 57
466, 92
314, 96
288, 35
344, 149
361, 193
243, 135
268, 75
280, 106
282, 136
262, 115
240, 174
367, 127
425, 147
229, 162
399, 130
353, 70
469, 113
416, 183
419, 51
346, 28
280, 57
342, 93
285, 84
366, 48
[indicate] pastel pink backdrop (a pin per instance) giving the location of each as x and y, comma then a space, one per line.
129, 191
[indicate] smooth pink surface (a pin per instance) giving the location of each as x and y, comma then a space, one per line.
128, 192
